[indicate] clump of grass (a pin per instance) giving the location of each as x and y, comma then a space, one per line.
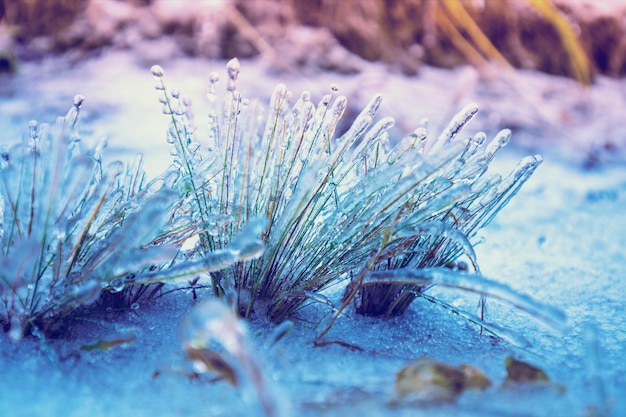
74, 231
70, 226
337, 208
437, 216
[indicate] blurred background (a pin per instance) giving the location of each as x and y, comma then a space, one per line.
575, 38
497, 53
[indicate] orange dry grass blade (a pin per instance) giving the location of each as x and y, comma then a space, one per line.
579, 61
468, 50
463, 20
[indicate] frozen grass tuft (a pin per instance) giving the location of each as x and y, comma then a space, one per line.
75, 232
72, 228
338, 209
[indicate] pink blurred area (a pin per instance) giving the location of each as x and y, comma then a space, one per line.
327, 35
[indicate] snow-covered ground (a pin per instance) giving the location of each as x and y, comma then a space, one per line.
562, 240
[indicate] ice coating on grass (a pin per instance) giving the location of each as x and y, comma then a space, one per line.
372, 150
233, 67
454, 127
513, 337
246, 246
505, 190
445, 230
217, 341
499, 141
329, 201
364, 120
475, 283
598, 402
536, 251
43, 186
139, 227
84, 226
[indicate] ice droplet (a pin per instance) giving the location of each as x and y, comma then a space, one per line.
16, 331
233, 68
526, 166
474, 143
32, 128
339, 107
211, 89
157, 71
325, 100
117, 285
501, 139
86, 293
479, 138
278, 97
78, 100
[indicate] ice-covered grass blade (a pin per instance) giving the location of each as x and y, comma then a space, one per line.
474, 283
216, 341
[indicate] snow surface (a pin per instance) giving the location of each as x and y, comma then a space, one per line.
562, 240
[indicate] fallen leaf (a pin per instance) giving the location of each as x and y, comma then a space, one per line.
426, 379
208, 360
108, 344
475, 378
521, 372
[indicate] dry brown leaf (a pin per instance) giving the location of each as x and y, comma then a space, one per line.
426, 379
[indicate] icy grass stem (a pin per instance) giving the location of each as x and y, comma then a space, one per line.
179, 131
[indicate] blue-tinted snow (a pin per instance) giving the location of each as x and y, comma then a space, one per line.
562, 240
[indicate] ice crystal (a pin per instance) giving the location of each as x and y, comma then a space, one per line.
338, 208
